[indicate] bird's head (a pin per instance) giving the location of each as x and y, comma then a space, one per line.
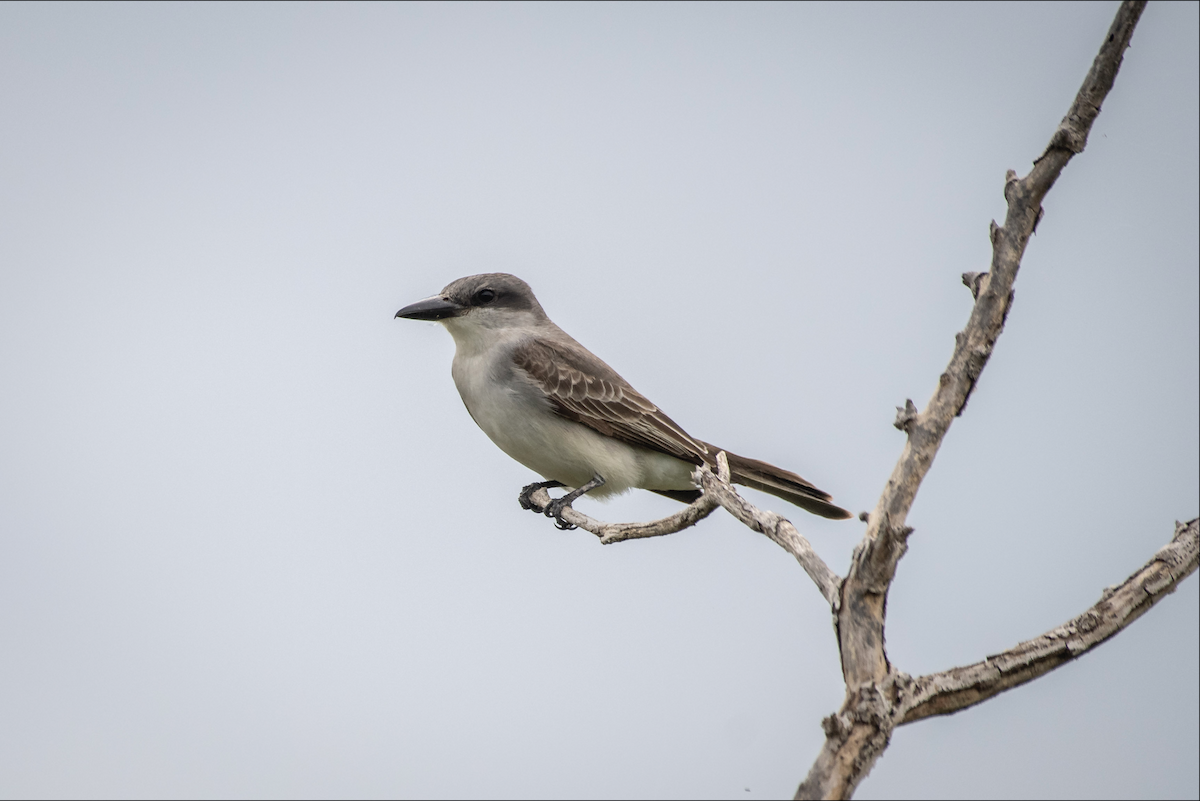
478, 303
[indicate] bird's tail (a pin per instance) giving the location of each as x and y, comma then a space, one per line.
780, 483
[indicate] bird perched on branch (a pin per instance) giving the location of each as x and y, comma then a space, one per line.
558, 409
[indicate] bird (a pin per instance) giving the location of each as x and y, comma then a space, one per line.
558, 409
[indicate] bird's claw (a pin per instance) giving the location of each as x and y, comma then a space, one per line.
555, 509
526, 496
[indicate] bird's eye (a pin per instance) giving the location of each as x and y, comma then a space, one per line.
485, 296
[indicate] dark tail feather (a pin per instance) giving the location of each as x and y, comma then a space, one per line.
683, 496
782, 484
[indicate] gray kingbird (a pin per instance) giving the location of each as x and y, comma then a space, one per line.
556, 408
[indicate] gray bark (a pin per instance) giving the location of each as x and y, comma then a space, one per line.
859, 732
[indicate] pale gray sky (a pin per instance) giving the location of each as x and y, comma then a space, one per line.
251, 543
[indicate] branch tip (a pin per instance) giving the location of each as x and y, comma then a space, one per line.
1010, 180
906, 416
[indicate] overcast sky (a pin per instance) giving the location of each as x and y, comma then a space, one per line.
251, 543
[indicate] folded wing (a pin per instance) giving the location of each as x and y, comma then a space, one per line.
582, 388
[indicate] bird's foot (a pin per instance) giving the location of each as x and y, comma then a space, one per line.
555, 509
526, 496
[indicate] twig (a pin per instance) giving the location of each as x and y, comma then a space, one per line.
609, 533
718, 491
777, 528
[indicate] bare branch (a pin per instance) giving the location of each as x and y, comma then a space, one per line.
718, 491
609, 533
958, 688
777, 528
974, 345
859, 732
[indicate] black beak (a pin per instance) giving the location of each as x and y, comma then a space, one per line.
435, 308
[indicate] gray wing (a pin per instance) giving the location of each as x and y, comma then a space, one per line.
582, 388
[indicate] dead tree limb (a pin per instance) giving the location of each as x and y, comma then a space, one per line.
777, 528
859, 732
949, 691
878, 696
718, 491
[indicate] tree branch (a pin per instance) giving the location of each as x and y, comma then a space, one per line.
860, 731
958, 688
609, 533
777, 528
718, 491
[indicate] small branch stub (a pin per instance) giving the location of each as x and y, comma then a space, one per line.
1010, 182
906, 416
975, 281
